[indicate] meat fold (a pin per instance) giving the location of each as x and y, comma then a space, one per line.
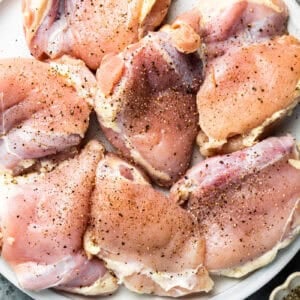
246, 204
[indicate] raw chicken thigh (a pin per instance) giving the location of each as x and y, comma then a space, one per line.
149, 242
252, 73
245, 91
43, 219
44, 109
231, 23
146, 103
247, 204
88, 29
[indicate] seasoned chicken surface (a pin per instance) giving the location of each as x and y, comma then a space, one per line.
249, 59
233, 23
43, 219
247, 204
44, 109
245, 91
150, 243
146, 103
88, 29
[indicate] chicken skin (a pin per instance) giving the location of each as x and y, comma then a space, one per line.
146, 103
245, 91
147, 252
247, 204
44, 109
43, 219
88, 29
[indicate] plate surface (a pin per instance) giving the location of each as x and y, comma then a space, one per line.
12, 44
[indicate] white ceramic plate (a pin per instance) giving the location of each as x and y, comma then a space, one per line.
12, 44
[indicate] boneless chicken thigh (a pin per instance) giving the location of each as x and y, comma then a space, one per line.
246, 91
43, 219
146, 102
247, 204
252, 72
44, 109
88, 29
151, 244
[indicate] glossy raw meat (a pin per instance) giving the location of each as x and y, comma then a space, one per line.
246, 91
231, 23
88, 29
246, 204
150, 243
43, 219
44, 109
146, 104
